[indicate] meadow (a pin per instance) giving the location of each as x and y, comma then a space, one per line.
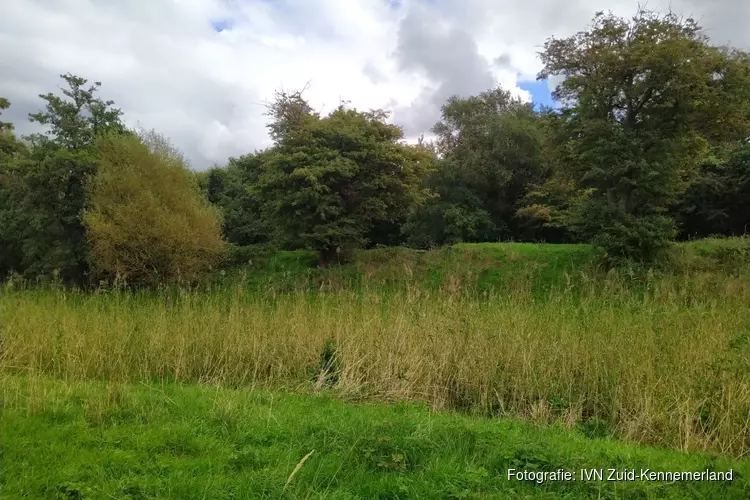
534, 341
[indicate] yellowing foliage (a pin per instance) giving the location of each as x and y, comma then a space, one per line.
147, 221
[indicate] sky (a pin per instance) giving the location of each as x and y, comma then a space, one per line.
200, 71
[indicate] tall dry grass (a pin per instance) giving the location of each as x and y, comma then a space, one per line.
664, 362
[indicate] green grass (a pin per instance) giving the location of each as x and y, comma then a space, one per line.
484, 267
479, 267
662, 361
559, 352
98, 440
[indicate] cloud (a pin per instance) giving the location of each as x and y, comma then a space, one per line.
199, 70
503, 61
725, 21
373, 73
443, 54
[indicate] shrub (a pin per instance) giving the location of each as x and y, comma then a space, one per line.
625, 237
148, 222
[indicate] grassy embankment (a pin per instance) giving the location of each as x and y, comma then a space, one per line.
512, 330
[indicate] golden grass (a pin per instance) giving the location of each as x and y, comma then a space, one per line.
666, 365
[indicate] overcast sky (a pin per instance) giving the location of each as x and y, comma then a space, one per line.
199, 70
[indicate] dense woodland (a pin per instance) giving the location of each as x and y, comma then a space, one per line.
649, 143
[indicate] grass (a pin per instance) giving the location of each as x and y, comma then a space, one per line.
562, 355
483, 266
102, 440
479, 267
651, 358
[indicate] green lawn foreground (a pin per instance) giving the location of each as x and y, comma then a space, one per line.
82, 440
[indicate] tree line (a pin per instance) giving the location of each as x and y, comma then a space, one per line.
649, 142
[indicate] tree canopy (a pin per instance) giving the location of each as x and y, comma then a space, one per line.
648, 142
643, 101
491, 150
329, 179
78, 117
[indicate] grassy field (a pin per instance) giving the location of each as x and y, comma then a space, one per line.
104, 440
540, 333
471, 267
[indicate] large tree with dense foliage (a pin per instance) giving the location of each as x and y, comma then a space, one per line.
48, 198
329, 180
11, 152
148, 222
43, 190
717, 201
642, 101
454, 213
234, 189
75, 119
491, 151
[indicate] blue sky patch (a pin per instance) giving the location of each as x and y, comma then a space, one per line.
221, 25
540, 93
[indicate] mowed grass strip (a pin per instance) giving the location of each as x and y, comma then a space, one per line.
107, 440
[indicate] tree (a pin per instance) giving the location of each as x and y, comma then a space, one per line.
454, 213
11, 253
716, 202
10, 146
75, 122
328, 180
289, 112
43, 187
491, 150
235, 190
49, 196
41, 195
148, 223
641, 102
11, 152
5, 126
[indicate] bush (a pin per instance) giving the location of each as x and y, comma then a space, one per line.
440, 223
624, 236
148, 222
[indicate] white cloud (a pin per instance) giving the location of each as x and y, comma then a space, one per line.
166, 66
